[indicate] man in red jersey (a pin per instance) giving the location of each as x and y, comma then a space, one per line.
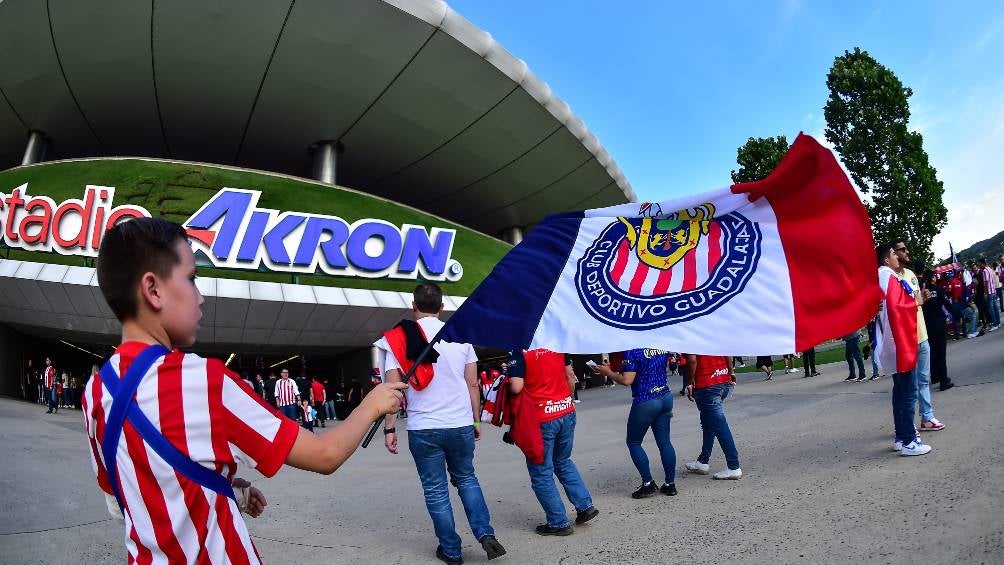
710, 381
547, 378
166, 436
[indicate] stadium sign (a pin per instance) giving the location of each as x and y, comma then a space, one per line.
232, 232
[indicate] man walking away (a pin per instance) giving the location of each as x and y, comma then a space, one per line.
710, 381
320, 397
444, 416
546, 378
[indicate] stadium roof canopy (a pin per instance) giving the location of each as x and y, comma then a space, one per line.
430, 110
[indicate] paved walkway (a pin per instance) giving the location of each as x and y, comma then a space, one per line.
821, 485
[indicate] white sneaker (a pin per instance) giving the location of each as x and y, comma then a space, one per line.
915, 447
897, 445
729, 474
993, 328
698, 468
576, 401
972, 335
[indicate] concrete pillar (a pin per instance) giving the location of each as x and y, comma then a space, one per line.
326, 155
34, 151
512, 235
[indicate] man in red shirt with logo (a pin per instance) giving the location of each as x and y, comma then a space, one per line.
546, 377
167, 429
710, 381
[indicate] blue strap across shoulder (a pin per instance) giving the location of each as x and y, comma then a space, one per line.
124, 407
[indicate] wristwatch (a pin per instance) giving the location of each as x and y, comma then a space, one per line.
387, 431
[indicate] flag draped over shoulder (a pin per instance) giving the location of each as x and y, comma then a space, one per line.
767, 267
896, 330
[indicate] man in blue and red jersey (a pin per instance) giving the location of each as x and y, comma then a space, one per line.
154, 411
546, 377
710, 380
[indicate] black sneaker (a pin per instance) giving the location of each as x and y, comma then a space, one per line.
492, 547
946, 385
849, 378
586, 515
860, 379
816, 373
646, 490
668, 489
451, 561
545, 530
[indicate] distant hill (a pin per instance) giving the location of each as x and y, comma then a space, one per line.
990, 248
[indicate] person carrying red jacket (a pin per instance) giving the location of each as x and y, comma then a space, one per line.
543, 381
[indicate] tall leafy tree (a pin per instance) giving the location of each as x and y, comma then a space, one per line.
758, 157
867, 115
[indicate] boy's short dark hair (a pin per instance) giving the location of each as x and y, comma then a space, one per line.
882, 251
428, 298
128, 251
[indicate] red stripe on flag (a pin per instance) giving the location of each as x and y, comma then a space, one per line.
620, 263
639, 278
810, 195
714, 245
662, 283
690, 270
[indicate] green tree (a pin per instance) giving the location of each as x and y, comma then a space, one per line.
867, 115
758, 157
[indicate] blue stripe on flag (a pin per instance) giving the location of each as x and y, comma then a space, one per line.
496, 316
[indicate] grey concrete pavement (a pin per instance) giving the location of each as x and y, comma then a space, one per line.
820, 485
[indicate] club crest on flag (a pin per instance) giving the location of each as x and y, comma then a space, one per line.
661, 242
655, 270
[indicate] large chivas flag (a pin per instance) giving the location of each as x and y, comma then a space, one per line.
768, 267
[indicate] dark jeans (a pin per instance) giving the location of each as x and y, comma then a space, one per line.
937, 337
809, 361
50, 398
289, 411
852, 354
958, 327
437, 452
656, 414
558, 434
319, 407
904, 397
714, 425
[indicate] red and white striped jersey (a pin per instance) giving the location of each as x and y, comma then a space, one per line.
50, 376
212, 416
989, 280
286, 392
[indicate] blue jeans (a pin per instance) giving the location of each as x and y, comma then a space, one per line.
288, 411
904, 397
656, 414
994, 308
437, 452
558, 436
875, 367
922, 381
714, 425
970, 318
852, 354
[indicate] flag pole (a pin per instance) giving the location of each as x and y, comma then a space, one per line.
421, 357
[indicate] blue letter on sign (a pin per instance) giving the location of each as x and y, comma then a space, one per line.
417, 246
356, 247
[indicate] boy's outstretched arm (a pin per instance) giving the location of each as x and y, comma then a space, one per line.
326, 452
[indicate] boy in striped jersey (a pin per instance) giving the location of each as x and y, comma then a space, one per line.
191, 420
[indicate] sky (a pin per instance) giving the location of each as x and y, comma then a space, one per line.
672, 89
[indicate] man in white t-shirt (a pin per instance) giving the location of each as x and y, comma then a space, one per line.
443, 403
